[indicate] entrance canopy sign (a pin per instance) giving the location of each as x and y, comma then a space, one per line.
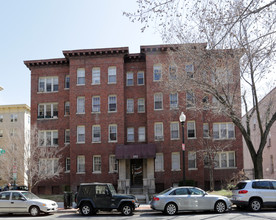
2, 151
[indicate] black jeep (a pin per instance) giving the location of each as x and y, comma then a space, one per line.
92, 197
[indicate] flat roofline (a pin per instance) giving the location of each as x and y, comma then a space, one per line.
15, 106
93, 52
55, 61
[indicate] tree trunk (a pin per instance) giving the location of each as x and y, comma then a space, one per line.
258, 166
211, 171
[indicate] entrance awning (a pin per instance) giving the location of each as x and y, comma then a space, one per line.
135, 151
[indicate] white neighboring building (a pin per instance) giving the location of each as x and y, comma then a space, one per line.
269, 153
15, 141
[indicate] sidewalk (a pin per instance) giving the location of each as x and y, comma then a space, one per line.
141, 208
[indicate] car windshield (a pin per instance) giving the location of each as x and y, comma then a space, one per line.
112, 190
29, 195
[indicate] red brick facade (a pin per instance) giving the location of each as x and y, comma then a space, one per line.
124, 63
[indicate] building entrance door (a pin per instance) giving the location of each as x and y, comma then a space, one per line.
136, 172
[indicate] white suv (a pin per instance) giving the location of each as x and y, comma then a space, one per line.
255, 194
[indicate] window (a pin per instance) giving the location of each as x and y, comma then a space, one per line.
67, 82
174, 130
1, 133
67, 136
81, 134
206, 130
112, 103
96, 133
130, 105
141, 134
140, 78
1, 118
48, 84
113, 164
130, 134
14, 118
223, 130
67, 164
129, 79
81, 164
158, 131
189, 70
158, 101
173, 100
159, 162
96, 76
17, 196
48, 166
80, 105
48, 138
172, 71
67, 108
191, 160
48, 110
112, 74
191, 129
97, 164
5, 196
157, 72
205, 102
190, 99
112, 133
96, 104
175, 161
141, 105
13, 132
225, 159
80, 76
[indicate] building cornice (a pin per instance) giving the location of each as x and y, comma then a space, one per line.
11, 107
46, 62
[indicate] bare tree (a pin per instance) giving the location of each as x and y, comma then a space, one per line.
240, 37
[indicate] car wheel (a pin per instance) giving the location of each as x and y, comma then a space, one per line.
255, 205
171, 209
220, 207
126, 209
86, 209
34, 211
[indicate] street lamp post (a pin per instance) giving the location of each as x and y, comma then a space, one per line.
182, 119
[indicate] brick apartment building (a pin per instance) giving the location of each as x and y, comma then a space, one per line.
118, 125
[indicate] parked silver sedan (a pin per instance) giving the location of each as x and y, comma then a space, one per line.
188, 198
15, 201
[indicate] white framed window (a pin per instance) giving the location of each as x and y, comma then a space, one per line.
172, 71
206, 133
48, 84
67, 136
13, 132
67, 164
113, 164
225, 159
174, 130
158, 101
191, 129
111, 74
130, 134
130, 105
81, 164
192, 160
96, 104
48, 166
112, 103
190, 99
67, 82
189, 68
225, 130
80, 76
1, 118
129, 79
97, 164
141, 134
14, 117
175, 161
140, 78
48, 138
80, 105
158, 131
159, 162
112, 133
47, 110
67, 108
96, 76
96, 133
157, 72
141, 105
81, 134
1, 133
173, 100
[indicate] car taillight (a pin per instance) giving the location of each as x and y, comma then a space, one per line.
243, 191
155, 198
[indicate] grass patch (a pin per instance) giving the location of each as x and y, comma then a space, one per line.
56, 198
223, 192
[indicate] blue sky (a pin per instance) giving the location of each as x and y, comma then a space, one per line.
40, 29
